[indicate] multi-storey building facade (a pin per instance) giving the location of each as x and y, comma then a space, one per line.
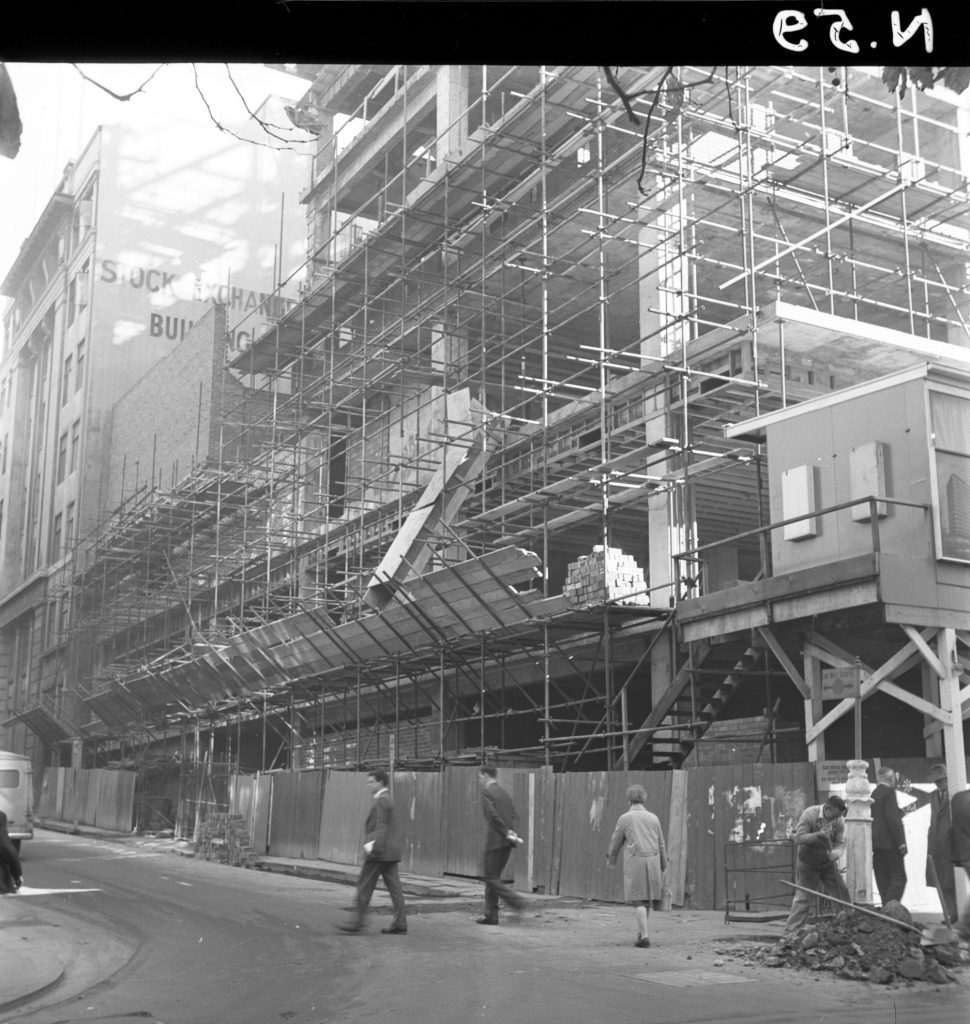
147, 230
504, 479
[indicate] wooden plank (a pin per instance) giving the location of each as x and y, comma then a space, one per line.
676, 836
283, 815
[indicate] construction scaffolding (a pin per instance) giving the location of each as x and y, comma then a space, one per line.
443, 520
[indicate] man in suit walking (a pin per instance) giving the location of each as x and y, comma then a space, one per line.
888, 838
500, 840
382, 853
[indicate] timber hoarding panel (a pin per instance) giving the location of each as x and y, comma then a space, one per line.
294, 829
262, 804
592, 802
738, 804
116, 800
242, 790
346, 801
534, 794
50, 787
462, 825
417, 802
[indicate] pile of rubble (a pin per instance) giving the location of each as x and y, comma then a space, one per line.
863, 948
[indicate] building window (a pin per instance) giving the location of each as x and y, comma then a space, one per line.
57, 537
3, 458
79, 376
72, 300
1, 517
69, 525
75, 443
950, 417
66, 380
61, 457
51, 624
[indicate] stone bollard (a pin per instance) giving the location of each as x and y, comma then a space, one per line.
858, 833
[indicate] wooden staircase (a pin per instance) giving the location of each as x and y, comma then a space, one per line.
699, 692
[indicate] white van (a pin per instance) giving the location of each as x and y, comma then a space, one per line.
17, 795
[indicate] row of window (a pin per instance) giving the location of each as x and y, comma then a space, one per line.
65, 465
62, 531
73, 376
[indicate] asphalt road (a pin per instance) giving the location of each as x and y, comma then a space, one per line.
176, 941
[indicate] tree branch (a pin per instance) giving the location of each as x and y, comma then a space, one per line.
111, 92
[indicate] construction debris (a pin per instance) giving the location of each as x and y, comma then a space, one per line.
606, 574
862, 948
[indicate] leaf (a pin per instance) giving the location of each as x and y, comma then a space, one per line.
956, 79
895, 79
922, 78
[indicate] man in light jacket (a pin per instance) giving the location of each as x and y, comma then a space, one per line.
820, 837
382, 853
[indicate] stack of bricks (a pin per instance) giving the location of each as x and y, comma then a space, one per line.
606, 574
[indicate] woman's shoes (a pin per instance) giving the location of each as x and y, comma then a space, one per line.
642, 943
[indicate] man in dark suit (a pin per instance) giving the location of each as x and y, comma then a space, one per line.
11, 873
888, 838
382, 853
960, 848
500, 840
938, 844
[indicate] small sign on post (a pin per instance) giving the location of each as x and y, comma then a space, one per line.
838, 683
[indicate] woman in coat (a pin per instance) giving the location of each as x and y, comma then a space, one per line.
638, 831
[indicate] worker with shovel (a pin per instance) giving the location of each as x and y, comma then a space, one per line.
820, 837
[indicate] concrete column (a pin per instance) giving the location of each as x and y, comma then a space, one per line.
858, 833
451, 127
664, 275
449, 353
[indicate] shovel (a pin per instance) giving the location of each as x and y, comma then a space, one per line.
928, 936
939, 889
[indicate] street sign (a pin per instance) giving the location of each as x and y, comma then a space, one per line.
838, 683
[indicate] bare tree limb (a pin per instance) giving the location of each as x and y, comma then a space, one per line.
267, 126
111, 92
222, 127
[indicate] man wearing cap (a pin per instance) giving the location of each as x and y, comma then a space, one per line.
938, 844
820, 838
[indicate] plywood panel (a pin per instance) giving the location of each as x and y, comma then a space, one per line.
283, 814
69, 805
309, 811
462, 824
345, 806
534, 795
47, 804
731, 804
417, 799
262, 803
592, 803
116, 801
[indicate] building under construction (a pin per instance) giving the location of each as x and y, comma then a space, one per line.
618, 410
